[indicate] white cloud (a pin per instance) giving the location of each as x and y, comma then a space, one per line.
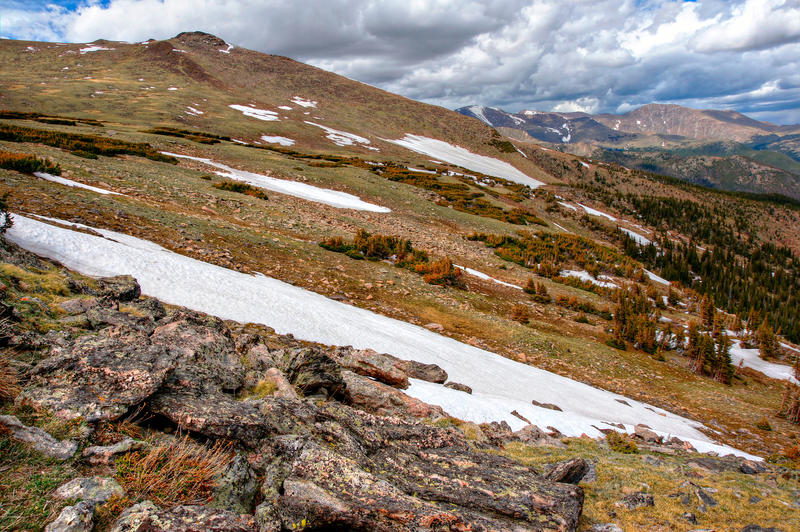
570, 54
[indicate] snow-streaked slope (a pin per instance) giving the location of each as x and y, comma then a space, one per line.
70, 183
499, 385
750, 359
462, 157
334, 198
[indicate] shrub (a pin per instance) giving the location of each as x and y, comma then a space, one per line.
241, 188
582, 318
195, 136
6, 221
440, 272
763, 424
519, 312
75, 142
27, 164
621, 443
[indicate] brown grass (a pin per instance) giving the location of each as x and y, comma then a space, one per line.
9, 380
174, 473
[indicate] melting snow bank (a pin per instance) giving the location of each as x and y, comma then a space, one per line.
750, 358
499, 385
334, 198
465, 158
90, 49
481, 275
252, 112
69, 183
586, 277
595, 212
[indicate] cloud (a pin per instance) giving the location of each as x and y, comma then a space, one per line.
598, 56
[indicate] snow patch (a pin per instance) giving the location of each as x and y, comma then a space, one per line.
340, 138
334, 198
585, 165
70, 183
302, 102
193, 111
583, 275
568, 206
283, 141
750, 358
477, 110
499, 385
90, 49
285, 107
252, 112
465, 158
595, 212
228, 50
481, 275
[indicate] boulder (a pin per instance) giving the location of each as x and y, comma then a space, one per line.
533, 435
568, 471
636, 500
284, 387
497, 433
119, 288
78, 518
78, 305
91, 489
99, 376
423, 372
378, 398
39, 439
312, 372
369, 363
147, 516
548, 406
644, 432
458, 386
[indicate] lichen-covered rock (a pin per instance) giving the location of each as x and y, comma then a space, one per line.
381, 399
236, 487
146, 516
78, 518
424, 372
119, 288
99, 376
39, 439
533, 435
636, 500
369, 363
568, 471
312, 372
91, 489
201, 346
458, 386
78, 305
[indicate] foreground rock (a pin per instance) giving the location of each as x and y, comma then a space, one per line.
39, 439
78, 518
323, 448
147, 516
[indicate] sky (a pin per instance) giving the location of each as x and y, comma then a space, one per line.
553, 55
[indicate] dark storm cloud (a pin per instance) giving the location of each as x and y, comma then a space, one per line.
597, 56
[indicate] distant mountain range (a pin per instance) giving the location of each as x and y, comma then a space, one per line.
724, 149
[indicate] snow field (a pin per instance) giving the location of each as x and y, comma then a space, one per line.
283, 141
499, 385
481, 275
583, 275
464, 158
334, 198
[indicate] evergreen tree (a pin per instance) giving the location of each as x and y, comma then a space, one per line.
707, 312
767, 341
